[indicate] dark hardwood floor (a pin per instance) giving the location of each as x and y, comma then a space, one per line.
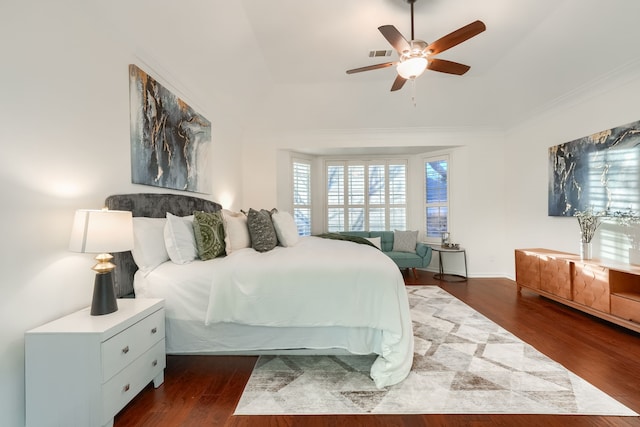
203, 390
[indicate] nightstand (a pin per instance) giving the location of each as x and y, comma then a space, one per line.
81, 370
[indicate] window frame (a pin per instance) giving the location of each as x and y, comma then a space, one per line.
346, 206
427, 204
302, 231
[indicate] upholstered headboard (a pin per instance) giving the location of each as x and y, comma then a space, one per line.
154, 206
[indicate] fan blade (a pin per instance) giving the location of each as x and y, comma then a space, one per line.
445, 66
371, 67
456, 37
398, 83
394, 37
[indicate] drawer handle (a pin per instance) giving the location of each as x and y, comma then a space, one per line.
154, 330
126, 388
125, 350
154, 363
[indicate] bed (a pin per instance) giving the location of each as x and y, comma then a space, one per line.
320, 296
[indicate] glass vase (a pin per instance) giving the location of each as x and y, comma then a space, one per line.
585, 250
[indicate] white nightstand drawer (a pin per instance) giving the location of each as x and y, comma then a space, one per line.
123, 348
119, 390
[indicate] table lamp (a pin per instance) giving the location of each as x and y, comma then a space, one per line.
101, 232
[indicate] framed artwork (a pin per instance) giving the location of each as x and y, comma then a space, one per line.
599, 172
170, 142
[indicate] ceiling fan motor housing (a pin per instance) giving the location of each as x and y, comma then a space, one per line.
416, 48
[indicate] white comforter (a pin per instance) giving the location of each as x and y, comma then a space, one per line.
319, 282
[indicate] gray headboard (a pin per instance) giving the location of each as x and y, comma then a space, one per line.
151, 205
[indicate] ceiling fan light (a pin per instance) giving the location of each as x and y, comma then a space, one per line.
412, 67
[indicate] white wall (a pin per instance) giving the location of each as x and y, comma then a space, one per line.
64, 130
591, 111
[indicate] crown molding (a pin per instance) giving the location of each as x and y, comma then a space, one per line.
594, 88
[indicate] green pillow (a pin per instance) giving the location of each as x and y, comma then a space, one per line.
209, 231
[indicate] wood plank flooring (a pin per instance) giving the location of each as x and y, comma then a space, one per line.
204, 390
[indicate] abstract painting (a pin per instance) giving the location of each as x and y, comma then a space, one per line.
170, 142
599, 172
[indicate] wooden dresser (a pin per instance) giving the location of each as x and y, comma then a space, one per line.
602, 288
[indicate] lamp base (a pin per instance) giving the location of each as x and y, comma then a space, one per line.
104, 296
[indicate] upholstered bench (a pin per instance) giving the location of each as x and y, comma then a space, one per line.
418, 258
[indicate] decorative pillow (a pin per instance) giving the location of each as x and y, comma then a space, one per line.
263, 235
286, 228
148, 243
376, 241
179, 239
209, 231
236, 233
405, 241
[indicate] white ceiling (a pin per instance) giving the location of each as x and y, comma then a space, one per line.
281, 64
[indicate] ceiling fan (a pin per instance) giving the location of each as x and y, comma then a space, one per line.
417, 55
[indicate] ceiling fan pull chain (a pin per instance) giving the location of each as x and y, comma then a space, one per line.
413, 92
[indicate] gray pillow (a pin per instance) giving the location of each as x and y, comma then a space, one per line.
405, 241
209, 232
263, 234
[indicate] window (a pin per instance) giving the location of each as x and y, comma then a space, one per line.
302, 196
436, 185
366, 195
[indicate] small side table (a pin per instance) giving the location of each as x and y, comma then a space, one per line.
449, 277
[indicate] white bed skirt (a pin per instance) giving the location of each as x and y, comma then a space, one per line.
193, 337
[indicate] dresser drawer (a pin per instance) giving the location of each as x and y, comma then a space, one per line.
123, 387
591, 286
128, 345
625, 308
555, 276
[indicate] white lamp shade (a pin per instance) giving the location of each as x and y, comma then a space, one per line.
101, 231
412, 67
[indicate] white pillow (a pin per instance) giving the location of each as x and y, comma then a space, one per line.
376, 241
180, 239
148, 243
286, 228
236, 231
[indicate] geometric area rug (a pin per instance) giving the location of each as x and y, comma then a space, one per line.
463, 364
